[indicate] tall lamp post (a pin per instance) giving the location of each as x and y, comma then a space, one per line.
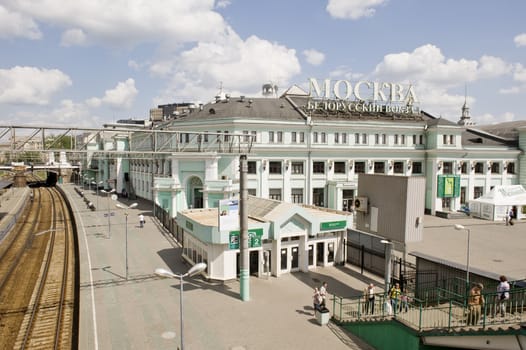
109, 213
126, 207
97, 184
461, 228
194, 270
388, 254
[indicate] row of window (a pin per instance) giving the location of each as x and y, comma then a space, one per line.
340, 167
479, 167
317, 137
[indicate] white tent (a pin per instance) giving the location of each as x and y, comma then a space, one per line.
495, 204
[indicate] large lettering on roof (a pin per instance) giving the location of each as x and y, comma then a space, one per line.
362, 96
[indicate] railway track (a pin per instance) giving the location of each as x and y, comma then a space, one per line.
37, 277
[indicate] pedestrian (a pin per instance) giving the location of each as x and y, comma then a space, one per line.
369, 299
475, 302
323, 294
316, 299
404, 302
394, 296
511, 215
141, 220
503, 295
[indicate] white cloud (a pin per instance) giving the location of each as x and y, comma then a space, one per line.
72, 37
490, 67
510, 91
488, 118
314, 57
243, 65
520, 73
520, 40
223, 3
13, 24
137, 22
120, 97
30, 85
353, 9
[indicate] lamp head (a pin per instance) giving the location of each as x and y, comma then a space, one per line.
459, 227
197, 268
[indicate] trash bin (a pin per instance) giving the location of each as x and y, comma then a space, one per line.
323, 316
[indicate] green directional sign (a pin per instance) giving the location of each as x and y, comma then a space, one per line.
333, 225
254, 238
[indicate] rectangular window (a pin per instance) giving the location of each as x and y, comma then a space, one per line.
398, 167
302, 137
245, 137
294, 137
226, 136
297, 195
451, 139
271, 136
318, 167
421, 139
376, 139
359, 167
384, 139
336, 137
344, 138
495, 168
323, 137
274, 167
318, 195
396, 139
444, 141
448, 168
414, 139
357, 138
252, 191
479, 168
206, 136
417, 167
280, 136
402, 139
274, 193
464, 168
254, 136
315, 137
379, 167
364, 139
251, 167
297, 168
477, 191
511, 168
339, 167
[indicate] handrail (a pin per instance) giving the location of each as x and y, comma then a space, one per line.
450, 314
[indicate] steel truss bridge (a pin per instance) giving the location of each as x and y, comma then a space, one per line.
31, 143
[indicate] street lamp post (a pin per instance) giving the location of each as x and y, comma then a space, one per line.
388, 253
97, 189
460, 228
126, 207
194, 270
109, 213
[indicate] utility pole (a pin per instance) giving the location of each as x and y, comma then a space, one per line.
243, 225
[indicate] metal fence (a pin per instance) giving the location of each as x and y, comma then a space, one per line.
450, 311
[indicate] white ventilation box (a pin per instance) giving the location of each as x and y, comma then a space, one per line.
360, 204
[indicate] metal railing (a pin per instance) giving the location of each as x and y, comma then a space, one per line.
449, 313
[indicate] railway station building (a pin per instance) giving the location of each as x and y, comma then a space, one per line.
308, 148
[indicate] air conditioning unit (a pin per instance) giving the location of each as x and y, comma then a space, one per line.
360, 204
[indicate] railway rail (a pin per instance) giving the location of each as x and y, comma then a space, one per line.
38, 286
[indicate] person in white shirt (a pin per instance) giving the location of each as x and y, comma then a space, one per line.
323, 294
503, 295
141, 220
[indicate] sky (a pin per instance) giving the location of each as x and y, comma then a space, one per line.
83, 63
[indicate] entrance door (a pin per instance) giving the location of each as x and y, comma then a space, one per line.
311, 254
284, 258
295, 259
254, 262
320, 254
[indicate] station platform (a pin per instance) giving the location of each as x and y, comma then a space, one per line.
139, 310
12, 201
